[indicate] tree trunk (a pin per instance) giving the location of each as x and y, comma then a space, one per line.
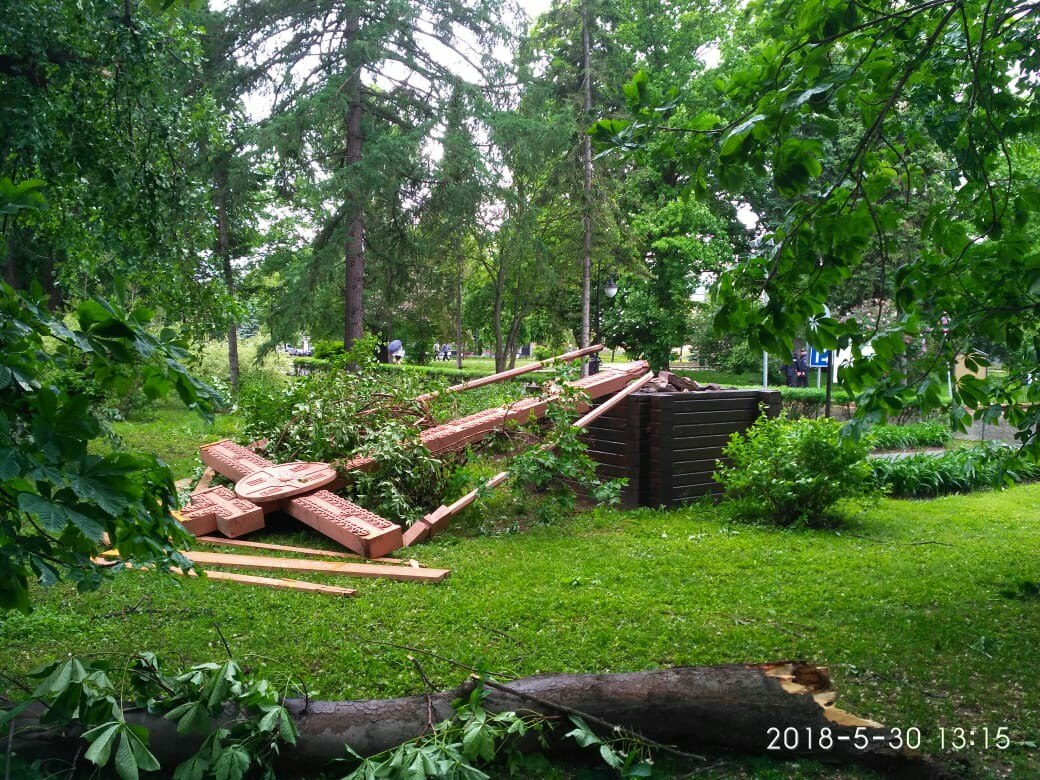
461, 261
220, 201
743, 708
496, 317
353, 299
586, 146
514, 332
10, 265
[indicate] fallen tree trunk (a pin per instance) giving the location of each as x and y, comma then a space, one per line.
783, 709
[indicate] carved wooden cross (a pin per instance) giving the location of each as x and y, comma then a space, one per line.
303, 490
300, 489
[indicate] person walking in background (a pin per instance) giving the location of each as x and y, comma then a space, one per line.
801, 369
789, 370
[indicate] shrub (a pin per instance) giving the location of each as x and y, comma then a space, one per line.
562, 463
929, 433
789, 471
326, 350
991, 465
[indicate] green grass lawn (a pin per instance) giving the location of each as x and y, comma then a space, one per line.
175, 434
925, 611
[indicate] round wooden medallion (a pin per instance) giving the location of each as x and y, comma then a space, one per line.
284, 481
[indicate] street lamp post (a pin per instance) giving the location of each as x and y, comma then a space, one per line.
610, 289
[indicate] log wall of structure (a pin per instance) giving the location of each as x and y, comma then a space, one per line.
666, 444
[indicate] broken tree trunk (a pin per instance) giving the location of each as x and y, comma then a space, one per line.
730, 708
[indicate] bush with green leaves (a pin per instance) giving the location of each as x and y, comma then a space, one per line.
325, 350
990, 465
59, 500
927, 433
562, 462
785, 471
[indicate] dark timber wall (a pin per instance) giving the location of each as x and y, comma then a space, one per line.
666, 444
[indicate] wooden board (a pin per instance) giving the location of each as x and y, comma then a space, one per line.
216, 540
357, 529
281, 583
705, 417
250, 579
404, 573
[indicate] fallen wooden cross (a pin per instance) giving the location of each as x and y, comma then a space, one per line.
304, 490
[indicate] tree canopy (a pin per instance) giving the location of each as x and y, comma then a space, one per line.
894, 141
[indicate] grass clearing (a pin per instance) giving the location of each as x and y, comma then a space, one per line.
926, 612
918, 608
175, 433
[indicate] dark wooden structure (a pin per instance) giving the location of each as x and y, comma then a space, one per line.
666, 444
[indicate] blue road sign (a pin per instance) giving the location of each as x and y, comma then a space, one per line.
818, 359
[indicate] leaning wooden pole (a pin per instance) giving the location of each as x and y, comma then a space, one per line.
513, 372
439, 517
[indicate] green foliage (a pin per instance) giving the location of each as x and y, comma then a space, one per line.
324, 350
897, 151
448, 372
93, 695
652, 315
991, 465
57, 499
336, 415
784, 472
627, 756
106, 108
928, 433
474, 740
304, 365
458, 748
562, 462
722, 352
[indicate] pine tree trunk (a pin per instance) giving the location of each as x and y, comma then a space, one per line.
353, 303
500, 346
461, 260
220, 199
586, 144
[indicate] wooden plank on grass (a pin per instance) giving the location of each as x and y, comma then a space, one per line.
217, 540
250, 579
281, 583
404, 573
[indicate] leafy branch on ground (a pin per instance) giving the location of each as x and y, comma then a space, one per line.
244, 720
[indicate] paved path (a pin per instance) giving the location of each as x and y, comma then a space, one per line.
899, 454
